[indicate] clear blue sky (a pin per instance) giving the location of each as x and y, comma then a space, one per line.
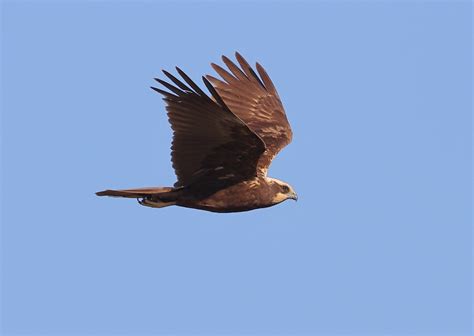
379, 96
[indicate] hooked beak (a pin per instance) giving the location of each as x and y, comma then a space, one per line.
293, 196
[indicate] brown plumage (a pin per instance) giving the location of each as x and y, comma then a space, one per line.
223, 144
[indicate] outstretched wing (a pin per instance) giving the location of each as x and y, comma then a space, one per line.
255, 100
212, 148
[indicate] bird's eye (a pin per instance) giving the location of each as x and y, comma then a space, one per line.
285, 189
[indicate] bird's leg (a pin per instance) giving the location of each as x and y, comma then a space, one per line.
145, 201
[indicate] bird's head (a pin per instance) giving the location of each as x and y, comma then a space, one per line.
281, 191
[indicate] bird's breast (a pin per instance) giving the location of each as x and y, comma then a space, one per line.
246, 195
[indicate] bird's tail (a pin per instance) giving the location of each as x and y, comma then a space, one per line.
155, 197
135, 193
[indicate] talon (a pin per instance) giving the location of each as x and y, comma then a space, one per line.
146, 201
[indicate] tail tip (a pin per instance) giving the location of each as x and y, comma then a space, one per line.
102, 193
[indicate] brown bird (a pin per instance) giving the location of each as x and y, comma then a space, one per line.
223, 144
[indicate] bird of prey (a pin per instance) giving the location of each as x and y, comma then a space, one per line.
223, 143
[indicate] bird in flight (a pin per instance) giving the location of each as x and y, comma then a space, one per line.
222, 144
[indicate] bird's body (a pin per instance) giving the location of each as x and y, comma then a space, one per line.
222, 147
260, 192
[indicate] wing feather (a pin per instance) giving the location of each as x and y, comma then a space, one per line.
255, 100
248, 69
168, 86
234, 69
212, 147
266, 79
188, 80
176, 81
223, 73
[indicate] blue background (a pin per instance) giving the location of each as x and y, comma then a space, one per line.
379, 97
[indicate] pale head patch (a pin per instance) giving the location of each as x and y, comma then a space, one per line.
279, 197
